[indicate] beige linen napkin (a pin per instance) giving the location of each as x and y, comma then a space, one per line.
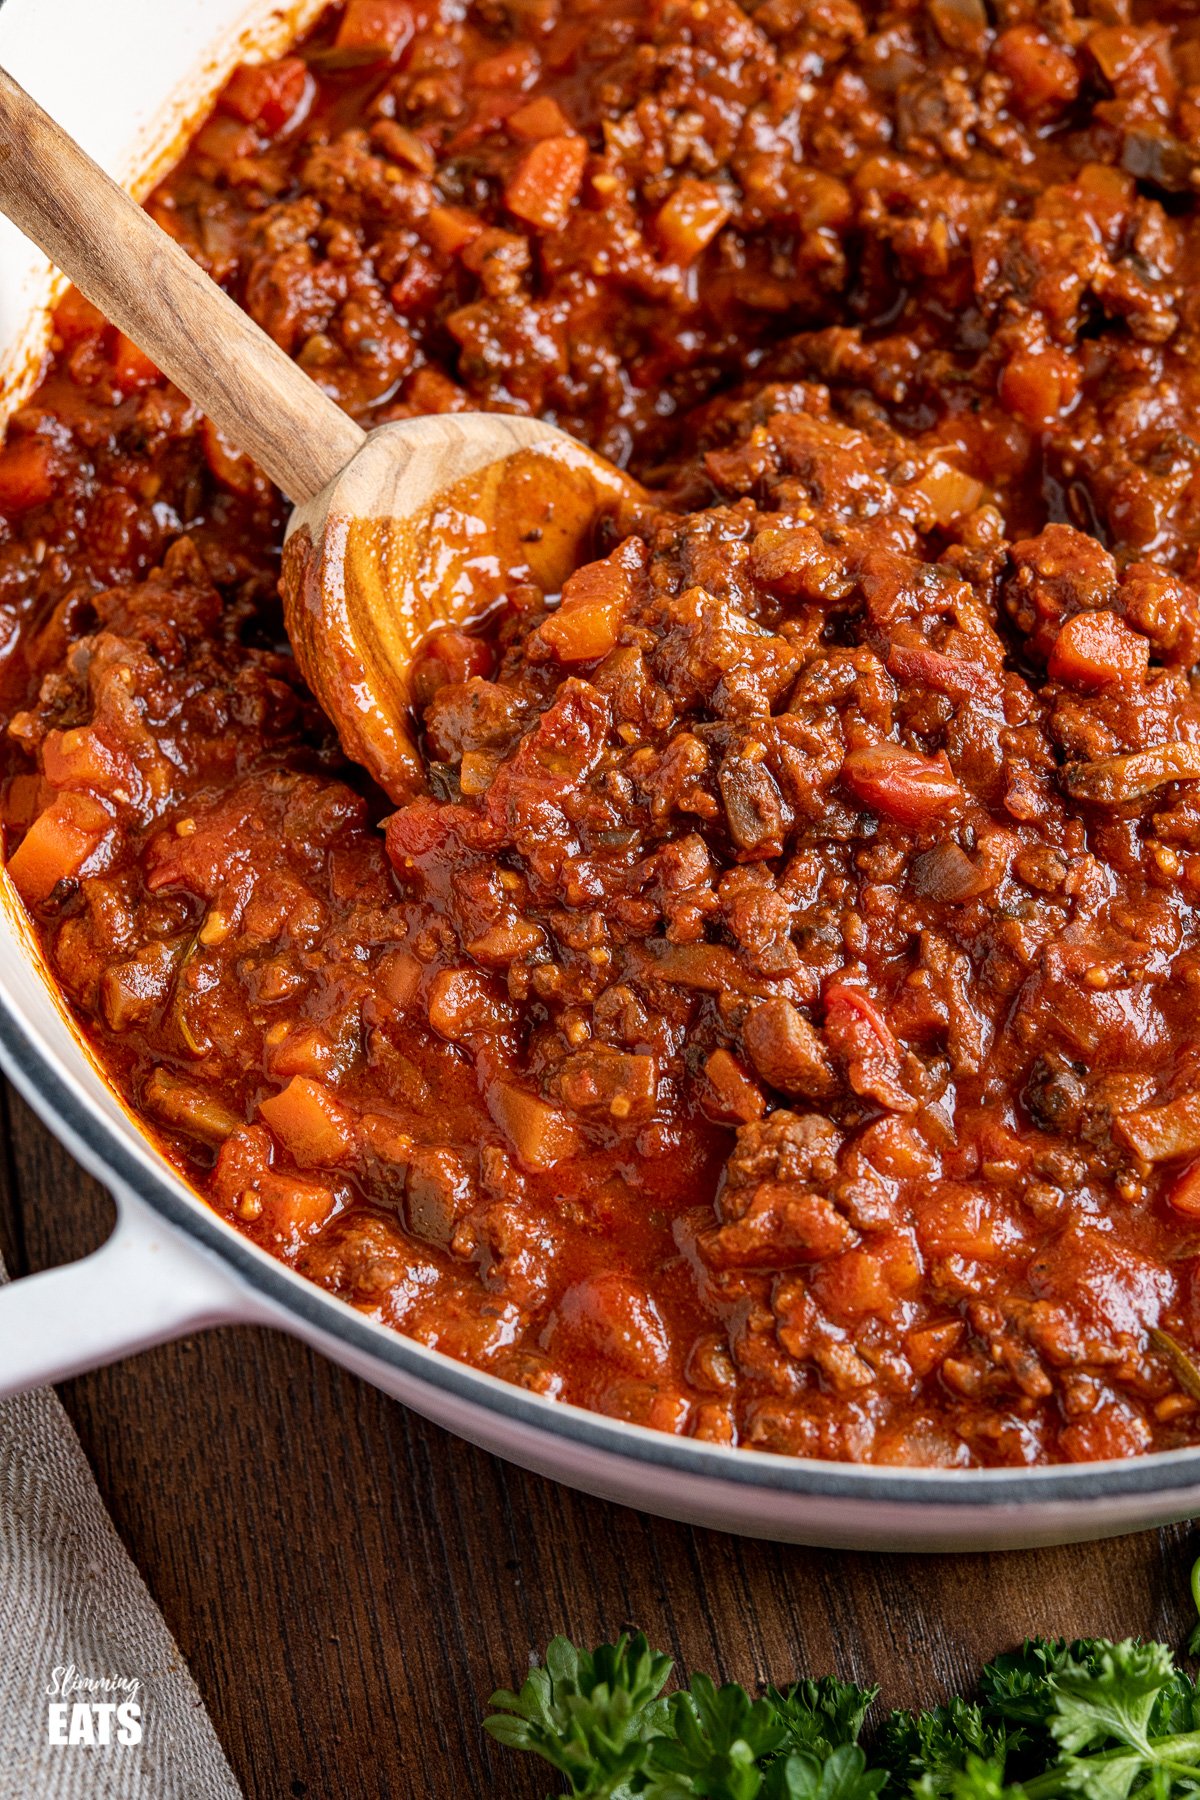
73, 1608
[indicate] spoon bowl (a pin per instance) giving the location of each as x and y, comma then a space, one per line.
424, 523
431, 524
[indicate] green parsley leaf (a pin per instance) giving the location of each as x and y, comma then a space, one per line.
1087, 1720
932, 1749
1109, 1695
590, 1715
1193, 1643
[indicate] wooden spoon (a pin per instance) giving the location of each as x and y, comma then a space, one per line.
426, 522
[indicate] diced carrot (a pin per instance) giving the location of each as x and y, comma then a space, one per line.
269, 94
1103, 185
1163, 1133
464, 1004
57, 845
376, 29
586, 632
901, 784
928, 1345
132, 367
539, 118
508, 71
540, 1135
1115, 49
734, 1096
450, 228
26, 474
1042, 73
544, 183
399, 975
1184, 1196
1098, 649
79, 759
310, 1122
1039, 385
691, 219
306, 1051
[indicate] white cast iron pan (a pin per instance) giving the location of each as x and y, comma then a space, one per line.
126, 78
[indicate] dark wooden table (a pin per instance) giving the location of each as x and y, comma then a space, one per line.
349, 1583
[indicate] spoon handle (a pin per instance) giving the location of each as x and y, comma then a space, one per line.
143, 281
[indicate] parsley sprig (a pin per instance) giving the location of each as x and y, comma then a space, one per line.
1089, 1720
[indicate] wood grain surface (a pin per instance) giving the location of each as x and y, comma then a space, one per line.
348, 1583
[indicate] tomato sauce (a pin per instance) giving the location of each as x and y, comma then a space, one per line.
775, 1023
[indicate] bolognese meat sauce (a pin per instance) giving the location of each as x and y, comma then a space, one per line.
776, 1023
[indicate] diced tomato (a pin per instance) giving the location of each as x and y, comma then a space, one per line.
1042, 73
310, 1122
75, 318
691, 219
376, 30
131, 366
544, 183
901, 784
957, 676
27, 474
24, 796
270, 94
611, 1317
853, 1286
854, 1020
231, 467
449, 656
1039, 385
460, 654
57, 845
538, 118
226, 140
1098, 649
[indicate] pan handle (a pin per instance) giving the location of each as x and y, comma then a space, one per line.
143, 1286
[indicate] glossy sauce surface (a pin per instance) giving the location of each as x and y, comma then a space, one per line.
776, 1022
